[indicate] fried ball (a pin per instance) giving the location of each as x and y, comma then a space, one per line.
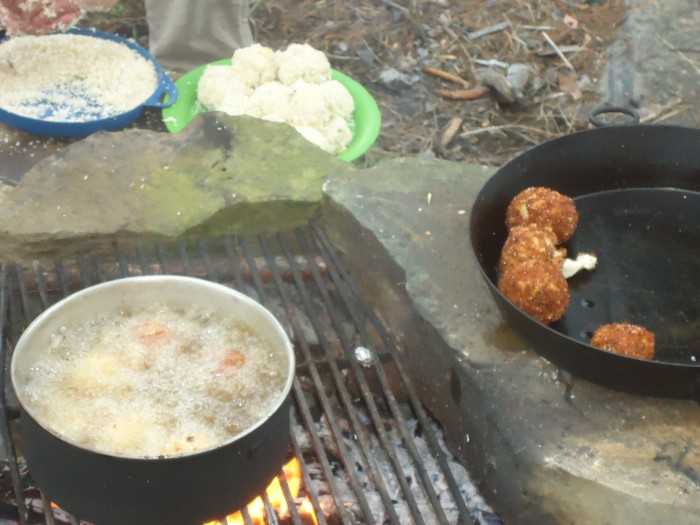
626, 339
536, 287
530, 242
546, 208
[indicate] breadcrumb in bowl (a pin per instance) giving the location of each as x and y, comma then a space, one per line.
365, 122
75, 83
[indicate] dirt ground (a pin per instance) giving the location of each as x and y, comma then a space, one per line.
533, 65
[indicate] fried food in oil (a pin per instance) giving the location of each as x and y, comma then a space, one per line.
626, 339
536, 287
530, 242
546, 208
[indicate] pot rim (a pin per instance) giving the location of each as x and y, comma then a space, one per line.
160, 280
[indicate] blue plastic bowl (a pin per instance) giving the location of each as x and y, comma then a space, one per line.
116, 122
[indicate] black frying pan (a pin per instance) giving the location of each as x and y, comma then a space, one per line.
637, 190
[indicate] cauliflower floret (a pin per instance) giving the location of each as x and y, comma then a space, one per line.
338, 98
254, 65
125, 434
235, 106
220, 90
332, 137
583, 261
315, 136
301, 61
270, 101
307, 105
338, 133
99, 372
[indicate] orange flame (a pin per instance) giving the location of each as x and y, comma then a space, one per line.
307, 510
256, 509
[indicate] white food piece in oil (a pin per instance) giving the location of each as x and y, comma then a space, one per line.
72, 78
154, 382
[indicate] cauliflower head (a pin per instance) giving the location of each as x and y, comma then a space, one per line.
293, 86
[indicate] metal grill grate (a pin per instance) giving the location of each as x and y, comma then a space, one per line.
369, 453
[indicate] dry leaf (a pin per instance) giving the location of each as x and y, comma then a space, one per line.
568, 83
570, 21
501, 86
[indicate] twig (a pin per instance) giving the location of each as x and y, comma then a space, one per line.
659, 111
396, 6
446, 76
450, 131
464, 94
559, 52
491, 62
479, 131
341, 57
549, 52
672, 114
682, 55
474, 35
537, 28
502, 127
549, 96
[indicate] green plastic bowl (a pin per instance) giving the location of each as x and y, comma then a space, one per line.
367, 119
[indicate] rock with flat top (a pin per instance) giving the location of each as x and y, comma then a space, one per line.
220, 174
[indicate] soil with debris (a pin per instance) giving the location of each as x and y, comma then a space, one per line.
467, 81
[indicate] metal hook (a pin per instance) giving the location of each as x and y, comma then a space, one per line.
600, 123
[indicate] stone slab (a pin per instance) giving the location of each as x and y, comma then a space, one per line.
221, 174
546, 448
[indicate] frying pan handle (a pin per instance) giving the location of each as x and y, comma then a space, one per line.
600, 123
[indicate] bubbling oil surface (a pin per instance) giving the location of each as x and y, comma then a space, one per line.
154, 382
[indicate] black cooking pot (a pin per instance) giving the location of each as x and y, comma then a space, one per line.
186, 489
637, 190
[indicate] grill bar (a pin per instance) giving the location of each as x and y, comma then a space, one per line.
8, 445
358, 431
369, 399
352, 295
357, 426
324, 399
357, 313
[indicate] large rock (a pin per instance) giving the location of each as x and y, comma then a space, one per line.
545, 447
221, 174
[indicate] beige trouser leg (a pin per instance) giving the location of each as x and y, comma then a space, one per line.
185, 34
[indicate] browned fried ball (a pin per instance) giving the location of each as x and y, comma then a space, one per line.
546, 208
530, 242
536, 287
626, 339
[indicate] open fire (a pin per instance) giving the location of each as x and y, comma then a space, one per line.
278, 501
